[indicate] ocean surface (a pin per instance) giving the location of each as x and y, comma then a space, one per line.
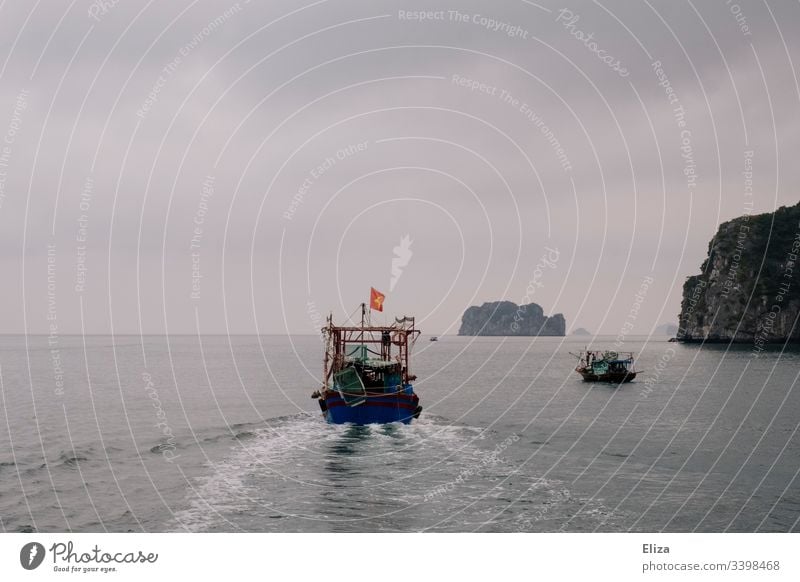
218, 433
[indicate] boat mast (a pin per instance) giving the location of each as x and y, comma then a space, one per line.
326, 331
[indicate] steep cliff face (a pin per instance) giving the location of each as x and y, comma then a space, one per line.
749, 288
506, 318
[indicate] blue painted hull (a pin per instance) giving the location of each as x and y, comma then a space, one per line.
377, 409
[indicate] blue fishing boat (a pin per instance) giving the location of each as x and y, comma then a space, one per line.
367, 379
606, 366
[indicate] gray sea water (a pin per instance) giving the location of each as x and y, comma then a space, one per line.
214, 433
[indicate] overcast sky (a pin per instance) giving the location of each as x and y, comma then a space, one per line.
249, 167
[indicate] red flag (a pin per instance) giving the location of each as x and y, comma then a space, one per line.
376, 299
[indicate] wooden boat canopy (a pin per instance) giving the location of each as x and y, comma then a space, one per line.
373, 350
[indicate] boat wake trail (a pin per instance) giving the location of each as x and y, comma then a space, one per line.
299, 474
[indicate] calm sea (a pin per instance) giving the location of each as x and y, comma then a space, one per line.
182, 433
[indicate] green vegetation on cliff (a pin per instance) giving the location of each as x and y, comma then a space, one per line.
502, 318
749, 288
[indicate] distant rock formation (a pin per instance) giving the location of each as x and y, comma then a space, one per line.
502, 318
581, 331
749, 288
670, 329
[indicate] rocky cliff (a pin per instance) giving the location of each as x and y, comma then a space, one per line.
507, 318
749, 288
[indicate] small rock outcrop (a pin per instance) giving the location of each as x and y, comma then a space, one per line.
504, 318
581, 331
749, 288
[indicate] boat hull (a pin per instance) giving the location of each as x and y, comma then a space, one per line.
378, 408
611, 377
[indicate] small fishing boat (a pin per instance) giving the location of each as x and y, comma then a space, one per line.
367, 379
606, 366
434, 338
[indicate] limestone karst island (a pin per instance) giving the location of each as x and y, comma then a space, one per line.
505, 318
749, 286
